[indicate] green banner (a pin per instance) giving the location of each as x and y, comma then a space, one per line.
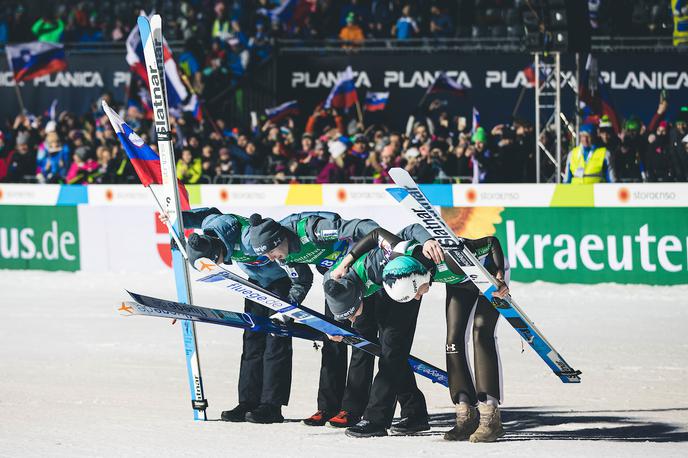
596, 245
39, 238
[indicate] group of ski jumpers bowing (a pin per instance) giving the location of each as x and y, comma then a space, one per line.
376, 280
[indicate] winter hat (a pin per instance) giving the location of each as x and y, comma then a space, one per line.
265, 234
632, 124
605, 123
343, 296
479, 135
402, 276
587, 129
204, 246
682, 115
82, 152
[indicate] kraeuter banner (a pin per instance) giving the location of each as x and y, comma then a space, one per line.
584, 245
493, 82
87, 77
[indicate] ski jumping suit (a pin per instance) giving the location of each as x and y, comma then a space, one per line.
396, 323
465, 304
266, 360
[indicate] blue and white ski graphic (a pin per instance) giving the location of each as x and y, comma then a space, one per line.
152, 306
235, 284
411, 197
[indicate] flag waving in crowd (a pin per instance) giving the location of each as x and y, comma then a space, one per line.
444, 84
146, 162
290, 108
376, 101
475, 120
343, 94
31, 60
594, 94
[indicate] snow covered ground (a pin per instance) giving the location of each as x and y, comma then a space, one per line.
79, 380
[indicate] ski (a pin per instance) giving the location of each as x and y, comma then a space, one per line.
411, 197
152, 42
301, 314
151, 306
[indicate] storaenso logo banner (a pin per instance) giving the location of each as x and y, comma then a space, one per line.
40, 238
595, 245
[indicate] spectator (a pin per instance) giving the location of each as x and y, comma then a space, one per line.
662, 165
19, 27
189, 169
351, 34
107, 172
588, 164
627, 158
440, 23
676, 138
5, 157
221, 25
84, 170
224, 163
334, 171
382, 13
22, 167
52, 161
48, 28
406, 26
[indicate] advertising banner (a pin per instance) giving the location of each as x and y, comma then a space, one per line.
584, 245
493, 83
38, 237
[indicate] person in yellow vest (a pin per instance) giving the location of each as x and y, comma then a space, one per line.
587, 163
679, 9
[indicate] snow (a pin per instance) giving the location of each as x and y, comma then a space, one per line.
79, 380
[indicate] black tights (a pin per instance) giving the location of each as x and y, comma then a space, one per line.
461, 300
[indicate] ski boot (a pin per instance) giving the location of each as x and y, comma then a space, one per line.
490, 428
466, 423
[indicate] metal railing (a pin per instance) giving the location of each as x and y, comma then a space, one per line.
305, 179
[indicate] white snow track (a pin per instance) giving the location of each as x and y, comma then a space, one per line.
80, 380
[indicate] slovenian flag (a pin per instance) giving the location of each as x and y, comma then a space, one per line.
343, 94
177, 94
475, 120
290, 108
376, 101
595, 94
146, 162
31, 60
444, 84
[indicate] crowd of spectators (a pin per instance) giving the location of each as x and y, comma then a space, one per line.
207, 20
330, 147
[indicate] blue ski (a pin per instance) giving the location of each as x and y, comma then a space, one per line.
233, 283
151, 306
411, 197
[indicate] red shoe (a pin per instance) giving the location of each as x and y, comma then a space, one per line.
319, 418
343, 420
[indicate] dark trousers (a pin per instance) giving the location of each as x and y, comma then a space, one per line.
265, 371
461, 302
336, 390
395, 379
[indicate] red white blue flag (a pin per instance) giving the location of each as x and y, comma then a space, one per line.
594, 93
279, 112
376, 101
146, 162
475, 120
37, 58
443, 84
177, 95
343, 94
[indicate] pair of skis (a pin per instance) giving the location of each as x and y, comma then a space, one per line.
152, 42
413, 199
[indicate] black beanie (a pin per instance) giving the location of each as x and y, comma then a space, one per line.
343, 296
265, 234
203, 246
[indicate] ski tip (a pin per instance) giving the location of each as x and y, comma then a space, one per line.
156, 21
398, 193
125, 309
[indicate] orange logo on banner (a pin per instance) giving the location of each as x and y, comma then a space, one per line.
341, 195
471, 195
224, 195
164, 249
125, 308
0, 193
624, 195
109, 195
